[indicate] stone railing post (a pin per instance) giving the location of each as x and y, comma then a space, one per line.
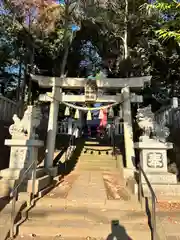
70, 125
175, 102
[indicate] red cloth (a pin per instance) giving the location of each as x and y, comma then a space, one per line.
103, 120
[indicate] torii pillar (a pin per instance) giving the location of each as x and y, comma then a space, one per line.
128, 131
52, 129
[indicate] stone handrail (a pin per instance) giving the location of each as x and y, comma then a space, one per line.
7, 108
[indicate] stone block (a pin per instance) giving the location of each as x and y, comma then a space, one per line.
6, 186
154, 160
40, 183
23, 152
14, 173
53, 172
153, 155
161, 190
160, 178
11, 173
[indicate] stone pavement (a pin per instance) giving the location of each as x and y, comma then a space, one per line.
170, 222
88, 187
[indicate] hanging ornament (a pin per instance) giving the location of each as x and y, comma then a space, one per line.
67, 111
101, 114
89, 117
111, 112
76, 114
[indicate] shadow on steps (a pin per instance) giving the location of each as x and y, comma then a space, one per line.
118, 231
68, 166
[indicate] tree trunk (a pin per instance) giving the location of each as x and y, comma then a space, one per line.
126, 53
64, 60
66, 40
124, 38
19, 81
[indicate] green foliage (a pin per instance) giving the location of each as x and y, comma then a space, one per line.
152, 38
169, 19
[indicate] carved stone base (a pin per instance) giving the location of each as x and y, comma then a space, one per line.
23, 152
162, 190
160, 178
153, 155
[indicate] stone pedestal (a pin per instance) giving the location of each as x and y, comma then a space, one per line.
23, 153
153, 159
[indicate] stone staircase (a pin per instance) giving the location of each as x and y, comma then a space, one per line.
8, 182
96, 157
92, 202
85, 211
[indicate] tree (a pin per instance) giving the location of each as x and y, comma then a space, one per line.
168, 13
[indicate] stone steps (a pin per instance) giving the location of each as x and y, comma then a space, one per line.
105, 162
80, 228
85, 212
101, 158
95, 168
97, 148
79, 213
48, 202
5, 218
97, 153
98, 163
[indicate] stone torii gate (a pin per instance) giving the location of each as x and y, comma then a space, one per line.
123, 86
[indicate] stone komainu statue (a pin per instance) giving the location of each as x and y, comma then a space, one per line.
25, 128
150, 128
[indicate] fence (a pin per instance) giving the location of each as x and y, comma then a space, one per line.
64, 128
119, 128
168, 116
8, 108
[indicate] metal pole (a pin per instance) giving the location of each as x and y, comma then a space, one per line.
33, 182
153, 218
140, 186
13, 213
